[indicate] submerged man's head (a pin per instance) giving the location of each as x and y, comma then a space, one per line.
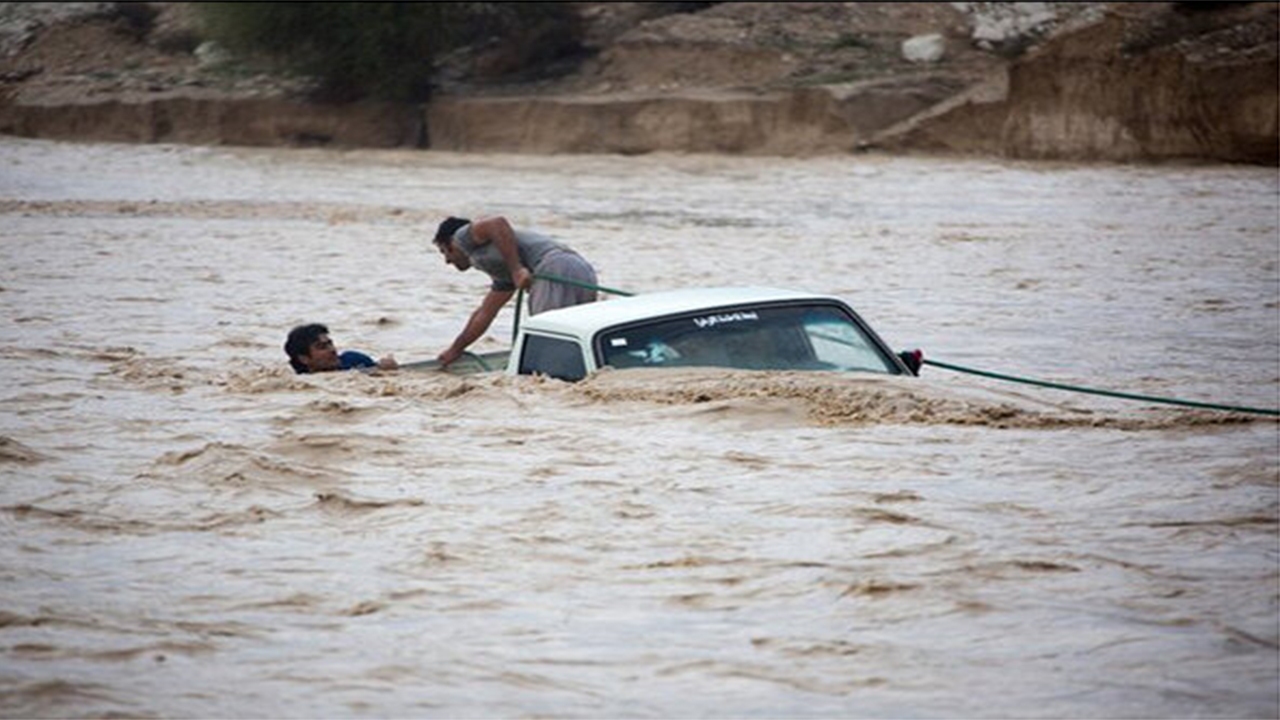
310, 349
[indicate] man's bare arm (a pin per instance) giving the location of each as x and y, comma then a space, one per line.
480, 320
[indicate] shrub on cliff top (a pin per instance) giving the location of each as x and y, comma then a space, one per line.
384, 50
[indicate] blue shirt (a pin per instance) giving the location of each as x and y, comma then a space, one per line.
352, 359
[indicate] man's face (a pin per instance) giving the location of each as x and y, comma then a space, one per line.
321, 356
454, 256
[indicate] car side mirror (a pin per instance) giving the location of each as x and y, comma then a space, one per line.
913, 359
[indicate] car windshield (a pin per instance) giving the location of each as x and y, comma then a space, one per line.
781, 337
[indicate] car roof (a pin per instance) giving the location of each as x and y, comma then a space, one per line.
588, 319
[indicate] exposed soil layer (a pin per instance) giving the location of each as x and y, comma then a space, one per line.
1067, 81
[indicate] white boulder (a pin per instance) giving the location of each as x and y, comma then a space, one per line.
924, 48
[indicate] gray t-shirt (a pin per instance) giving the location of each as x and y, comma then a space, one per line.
531, 246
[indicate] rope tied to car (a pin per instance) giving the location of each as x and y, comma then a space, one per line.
915, 359
1096, 391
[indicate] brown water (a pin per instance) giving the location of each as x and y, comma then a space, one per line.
190, 530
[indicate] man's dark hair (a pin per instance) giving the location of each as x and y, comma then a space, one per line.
299, 343
447, 228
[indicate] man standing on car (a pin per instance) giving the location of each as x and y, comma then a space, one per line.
515, 260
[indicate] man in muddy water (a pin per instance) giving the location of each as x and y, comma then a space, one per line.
311, 350
514, 260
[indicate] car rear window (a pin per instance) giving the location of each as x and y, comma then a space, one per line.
784, 337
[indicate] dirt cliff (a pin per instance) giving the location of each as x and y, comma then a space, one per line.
1148, 81
1089, 81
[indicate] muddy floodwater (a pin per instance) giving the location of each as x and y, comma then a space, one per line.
192, 530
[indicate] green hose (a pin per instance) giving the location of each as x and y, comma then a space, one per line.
484, 366
579, 283
515, 325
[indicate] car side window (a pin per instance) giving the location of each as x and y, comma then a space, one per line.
553, 357
839, 344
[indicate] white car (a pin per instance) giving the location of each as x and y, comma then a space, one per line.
749, 328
